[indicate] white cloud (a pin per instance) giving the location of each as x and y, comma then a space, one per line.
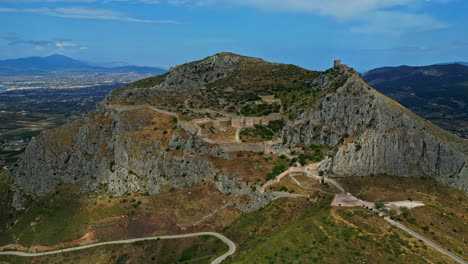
83, 13
339, 9
396, 23
48, 1
64, 45
151, 2
40, 45
81, 1
375, 16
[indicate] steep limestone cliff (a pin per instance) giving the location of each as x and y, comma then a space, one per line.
376, 135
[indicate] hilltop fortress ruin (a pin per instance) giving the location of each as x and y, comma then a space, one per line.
227, 126
338, 64
180, 128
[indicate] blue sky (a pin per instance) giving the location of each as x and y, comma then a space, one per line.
310, 33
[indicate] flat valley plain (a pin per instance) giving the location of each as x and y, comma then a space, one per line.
26, 113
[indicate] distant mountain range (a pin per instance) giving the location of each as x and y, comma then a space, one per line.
62, 64
455, 62
438, 92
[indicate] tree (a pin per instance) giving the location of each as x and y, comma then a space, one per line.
379, 206
393, 214
404, 211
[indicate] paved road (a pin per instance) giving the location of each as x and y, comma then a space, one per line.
231, 245
427, 241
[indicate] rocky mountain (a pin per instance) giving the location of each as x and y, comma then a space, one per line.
56, 64
203, 121
438, 93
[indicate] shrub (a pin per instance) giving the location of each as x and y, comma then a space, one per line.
260, 110
112, 163
379, 206
279, 168
258, 131
276, 125
394, 214
358, 147
404, 211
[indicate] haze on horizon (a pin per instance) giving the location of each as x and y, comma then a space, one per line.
311, 33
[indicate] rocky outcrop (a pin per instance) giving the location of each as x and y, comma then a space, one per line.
195, 145
125, 149
232, 186
107, 152
192, 76
375, 135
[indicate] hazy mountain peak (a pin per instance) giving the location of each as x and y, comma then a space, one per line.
60, 63
57, 56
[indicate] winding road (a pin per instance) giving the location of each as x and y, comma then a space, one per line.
346, 199
231, 245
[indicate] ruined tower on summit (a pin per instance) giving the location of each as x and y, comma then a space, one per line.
337, 63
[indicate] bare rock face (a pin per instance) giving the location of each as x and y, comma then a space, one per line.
107, 152
140, 150
375, 135
192, 76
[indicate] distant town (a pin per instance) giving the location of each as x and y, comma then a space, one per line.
63, 81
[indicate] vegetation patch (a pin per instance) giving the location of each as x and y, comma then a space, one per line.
276, 126
300, 231
6, 212
304, 158
247, 166
441, 220
148, 82
260, 109
258, 131
195, 250
279, 168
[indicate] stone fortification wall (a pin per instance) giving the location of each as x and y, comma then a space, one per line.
235, 147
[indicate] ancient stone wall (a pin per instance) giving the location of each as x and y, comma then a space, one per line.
235, 147
237, 121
